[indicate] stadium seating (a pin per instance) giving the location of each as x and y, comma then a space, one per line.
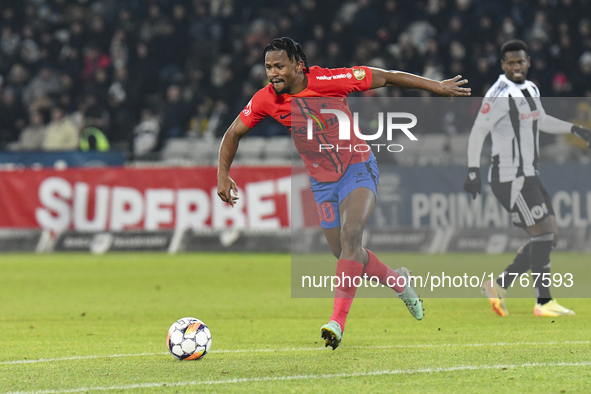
251, 150
176, 148
189, 150
409, 155
205, 151
277, 150
434, 149
458, 148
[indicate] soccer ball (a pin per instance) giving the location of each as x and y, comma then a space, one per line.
188, 339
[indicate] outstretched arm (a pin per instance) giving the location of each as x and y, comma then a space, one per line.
477, 136
552, 125
228, 148
447, 88
472, 184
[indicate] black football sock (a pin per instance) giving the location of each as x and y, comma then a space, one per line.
539, 257
519, 266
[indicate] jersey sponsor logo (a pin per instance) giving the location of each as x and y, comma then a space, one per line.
338, 76
515, 218
530, 115
283, 117
485, 108
341, 76
359, 73
248, 110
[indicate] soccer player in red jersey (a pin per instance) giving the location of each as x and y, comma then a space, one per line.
344, 181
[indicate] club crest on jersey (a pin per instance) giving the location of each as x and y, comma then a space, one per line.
485, 108
247, 111
359, 73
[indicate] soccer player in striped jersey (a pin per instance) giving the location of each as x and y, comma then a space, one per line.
344, 181
512, 112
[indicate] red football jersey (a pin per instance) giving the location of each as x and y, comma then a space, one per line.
327, 88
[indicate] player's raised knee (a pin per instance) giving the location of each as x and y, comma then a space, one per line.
351, 237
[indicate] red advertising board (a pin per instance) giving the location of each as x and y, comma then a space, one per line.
100, 199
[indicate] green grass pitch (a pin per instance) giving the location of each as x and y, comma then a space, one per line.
83, 323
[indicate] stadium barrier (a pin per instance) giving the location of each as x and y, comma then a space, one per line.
442, 240
22, 240
62, 159
102, 242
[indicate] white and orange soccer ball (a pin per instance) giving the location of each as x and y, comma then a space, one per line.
188, 339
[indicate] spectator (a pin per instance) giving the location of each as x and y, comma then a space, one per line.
119, 50
198, 122
583, 84
145, 72
62, 133
9, 41
45, 83
176, 115
213, 48
18, 77
120, 107
93, 139
582, 118
561, 87
145, 134
13, 117
94, 113
94, 59
99, 34
32, 136
127, 21
77, 37
29, 49
99, 85
180, 38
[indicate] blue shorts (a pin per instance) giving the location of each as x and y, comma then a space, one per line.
329, 195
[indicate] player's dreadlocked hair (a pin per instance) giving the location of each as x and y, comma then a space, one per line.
292, 48
513, 45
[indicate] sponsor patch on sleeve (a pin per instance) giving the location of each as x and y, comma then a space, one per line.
359, 73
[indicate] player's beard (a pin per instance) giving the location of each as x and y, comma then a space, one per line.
286, 88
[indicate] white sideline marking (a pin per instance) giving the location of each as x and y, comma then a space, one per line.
305, 377
498, 344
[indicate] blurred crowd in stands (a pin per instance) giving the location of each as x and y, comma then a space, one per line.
138, 72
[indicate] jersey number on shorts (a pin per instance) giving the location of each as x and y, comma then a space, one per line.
326, 212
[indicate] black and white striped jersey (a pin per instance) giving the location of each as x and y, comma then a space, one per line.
512, 113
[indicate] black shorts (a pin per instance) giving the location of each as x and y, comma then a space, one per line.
525, 198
